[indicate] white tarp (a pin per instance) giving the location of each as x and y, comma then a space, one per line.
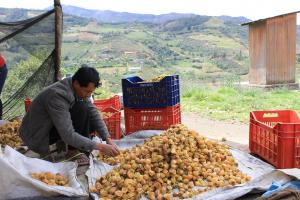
16, 182
262, 174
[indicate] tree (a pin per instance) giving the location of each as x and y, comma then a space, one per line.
20, 73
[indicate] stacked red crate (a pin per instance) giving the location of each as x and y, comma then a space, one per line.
151, 118
111, 102
112, 119
112, 115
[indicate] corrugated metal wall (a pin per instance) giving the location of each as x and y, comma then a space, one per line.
257, 49
281, 49
272, 47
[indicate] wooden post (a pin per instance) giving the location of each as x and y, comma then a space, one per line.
58, 39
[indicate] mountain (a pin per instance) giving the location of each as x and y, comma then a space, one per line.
237, 20
17, 14
108, 16
120, 17
199, 48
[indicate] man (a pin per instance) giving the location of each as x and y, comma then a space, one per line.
3, 75
62, 112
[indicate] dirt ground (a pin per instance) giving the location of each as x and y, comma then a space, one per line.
235, 134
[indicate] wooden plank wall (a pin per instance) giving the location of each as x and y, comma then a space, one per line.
257, 49
281, 49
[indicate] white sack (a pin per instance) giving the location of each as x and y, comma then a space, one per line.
16, 182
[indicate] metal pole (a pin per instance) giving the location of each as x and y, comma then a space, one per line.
58, 39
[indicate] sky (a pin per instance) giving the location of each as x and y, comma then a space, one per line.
252, 9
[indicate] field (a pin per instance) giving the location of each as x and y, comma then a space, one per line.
219, 101
235, 104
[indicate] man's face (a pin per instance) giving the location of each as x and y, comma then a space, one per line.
84, 92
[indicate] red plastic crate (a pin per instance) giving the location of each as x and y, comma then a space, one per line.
151, 118
275, 137
113, 122
111, 102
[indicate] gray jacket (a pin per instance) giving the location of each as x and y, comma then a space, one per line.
51, 108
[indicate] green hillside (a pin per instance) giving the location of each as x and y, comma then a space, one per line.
202, 49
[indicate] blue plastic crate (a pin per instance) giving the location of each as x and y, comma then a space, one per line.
138, 94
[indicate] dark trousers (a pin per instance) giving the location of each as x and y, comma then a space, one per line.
80, 119
3, 75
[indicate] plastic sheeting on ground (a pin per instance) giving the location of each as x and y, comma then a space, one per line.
276, 187
262, 174
16, 182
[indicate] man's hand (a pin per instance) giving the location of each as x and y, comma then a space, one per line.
109, 141
108, 149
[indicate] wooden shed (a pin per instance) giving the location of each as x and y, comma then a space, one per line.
272, 49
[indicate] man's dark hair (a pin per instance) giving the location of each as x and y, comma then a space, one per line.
86, 75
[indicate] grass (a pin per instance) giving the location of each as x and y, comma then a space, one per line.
137, 35
235, 104
214, 22
184, 63
105, 28
220, 42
